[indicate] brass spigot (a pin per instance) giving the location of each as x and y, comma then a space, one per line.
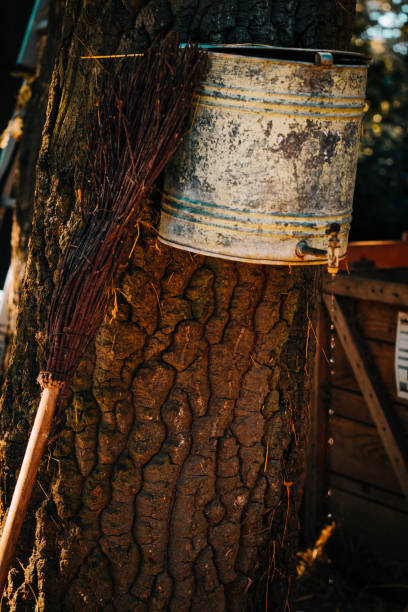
332, 252
302, 249
333, 249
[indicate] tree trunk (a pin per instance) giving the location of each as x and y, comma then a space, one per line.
174, 477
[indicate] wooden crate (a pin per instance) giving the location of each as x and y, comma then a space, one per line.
381, 253
358, 464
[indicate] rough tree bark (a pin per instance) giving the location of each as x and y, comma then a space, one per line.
174, 478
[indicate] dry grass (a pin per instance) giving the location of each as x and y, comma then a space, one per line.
350, 577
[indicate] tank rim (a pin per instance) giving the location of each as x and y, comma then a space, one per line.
289, 54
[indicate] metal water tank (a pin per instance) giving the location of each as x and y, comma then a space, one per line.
266, 172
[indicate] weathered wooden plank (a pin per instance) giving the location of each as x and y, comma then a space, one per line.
351, 405
369, 492
8, 168
376, 320
381, 354
358, 452
351, 285
383, 253
373, 395
7, 202
385, 528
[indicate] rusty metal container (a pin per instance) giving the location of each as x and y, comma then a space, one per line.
269, 162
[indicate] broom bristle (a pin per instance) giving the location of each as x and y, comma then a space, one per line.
138, 127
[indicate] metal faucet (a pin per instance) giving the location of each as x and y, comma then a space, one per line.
332, 252
302, 249
333, 249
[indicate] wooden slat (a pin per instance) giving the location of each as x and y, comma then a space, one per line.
369, 492
383, 253
8, 167
383, 528
382, 356
376, 320
351, 285
7, 202
351, 405
379, 410
358, 453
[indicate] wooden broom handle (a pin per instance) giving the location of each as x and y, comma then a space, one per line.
26, 480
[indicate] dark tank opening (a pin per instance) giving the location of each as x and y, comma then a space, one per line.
342, 58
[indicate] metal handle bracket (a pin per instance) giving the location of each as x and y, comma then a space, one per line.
323, 58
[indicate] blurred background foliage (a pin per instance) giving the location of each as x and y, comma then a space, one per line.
381, 196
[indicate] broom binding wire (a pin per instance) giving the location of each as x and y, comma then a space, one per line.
47, 380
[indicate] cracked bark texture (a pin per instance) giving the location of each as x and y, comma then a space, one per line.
174, 476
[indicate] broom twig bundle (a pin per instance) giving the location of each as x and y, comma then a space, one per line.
137, 129
139, 126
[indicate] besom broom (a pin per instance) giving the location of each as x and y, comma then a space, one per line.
138, 127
